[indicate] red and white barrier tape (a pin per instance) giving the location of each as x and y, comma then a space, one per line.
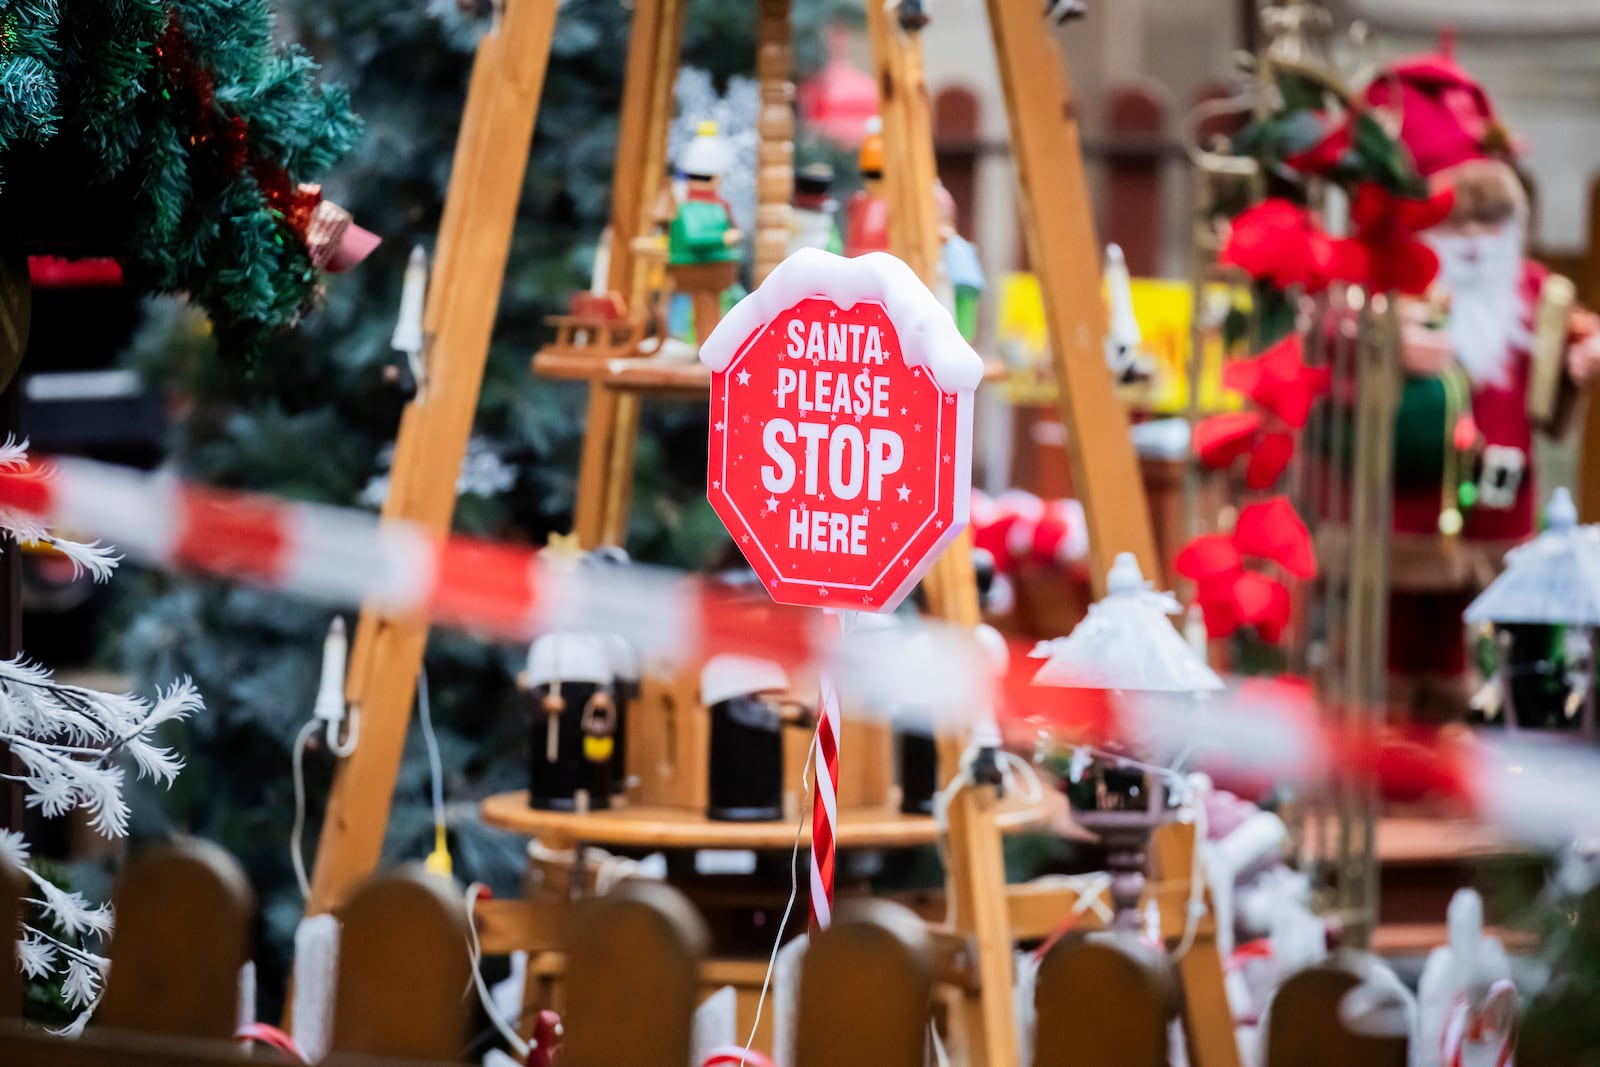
1543, 793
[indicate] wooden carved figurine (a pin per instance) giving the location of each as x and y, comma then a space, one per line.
703, 245
960, 273
568, 685
811, 214
746, 757
867, 213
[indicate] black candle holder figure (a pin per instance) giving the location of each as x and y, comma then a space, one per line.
745, 761
917, 755
567, 686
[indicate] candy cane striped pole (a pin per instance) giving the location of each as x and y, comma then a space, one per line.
825, 803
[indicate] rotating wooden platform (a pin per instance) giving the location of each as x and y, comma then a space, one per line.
645, 827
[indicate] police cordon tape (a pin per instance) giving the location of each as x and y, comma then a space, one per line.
926, 676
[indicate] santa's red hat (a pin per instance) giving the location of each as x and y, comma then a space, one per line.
1447, 122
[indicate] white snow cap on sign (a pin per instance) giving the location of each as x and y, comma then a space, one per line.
563, 657
728, 676
928, 335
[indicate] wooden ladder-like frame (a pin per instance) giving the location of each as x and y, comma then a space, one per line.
474, 241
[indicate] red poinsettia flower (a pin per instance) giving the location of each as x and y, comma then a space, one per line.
1221, 439
1385, 254
1272, 530
1279, 380
1324, 154
1276, 241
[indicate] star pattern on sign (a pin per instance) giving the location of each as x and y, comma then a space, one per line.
905, 494
747, 418
744, 377
833, 313
772, 504
904, 411
916, 428
939, 524
719, 425
822, 592
893, 526
947, 457
716, 485
950, 398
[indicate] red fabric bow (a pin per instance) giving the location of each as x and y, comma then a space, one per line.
1279, 380
1221, 439
1231, 596
1213, 563
1271, 530
1276, 241
1385, 254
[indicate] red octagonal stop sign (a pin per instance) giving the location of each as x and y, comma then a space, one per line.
841, 429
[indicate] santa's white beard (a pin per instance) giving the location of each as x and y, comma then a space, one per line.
1483, 275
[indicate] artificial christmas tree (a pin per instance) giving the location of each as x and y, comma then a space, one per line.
178, 138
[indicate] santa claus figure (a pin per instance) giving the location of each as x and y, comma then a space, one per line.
1464, 478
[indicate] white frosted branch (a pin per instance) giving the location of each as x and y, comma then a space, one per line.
99, 560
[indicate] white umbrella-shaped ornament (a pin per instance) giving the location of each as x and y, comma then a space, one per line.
1126, 643
1553, 580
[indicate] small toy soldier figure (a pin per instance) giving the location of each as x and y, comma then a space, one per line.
703, 245
811, 212
867, 214
746, 756
568, 687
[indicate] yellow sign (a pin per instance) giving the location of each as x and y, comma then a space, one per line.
1165, 312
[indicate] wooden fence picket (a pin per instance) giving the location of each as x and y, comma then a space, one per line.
183, 912
866, 986
403, 969
632, 981
11, 890
633, 978
1102, 999
1304, 1029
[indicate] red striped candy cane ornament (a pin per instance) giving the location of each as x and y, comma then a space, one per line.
825, 805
